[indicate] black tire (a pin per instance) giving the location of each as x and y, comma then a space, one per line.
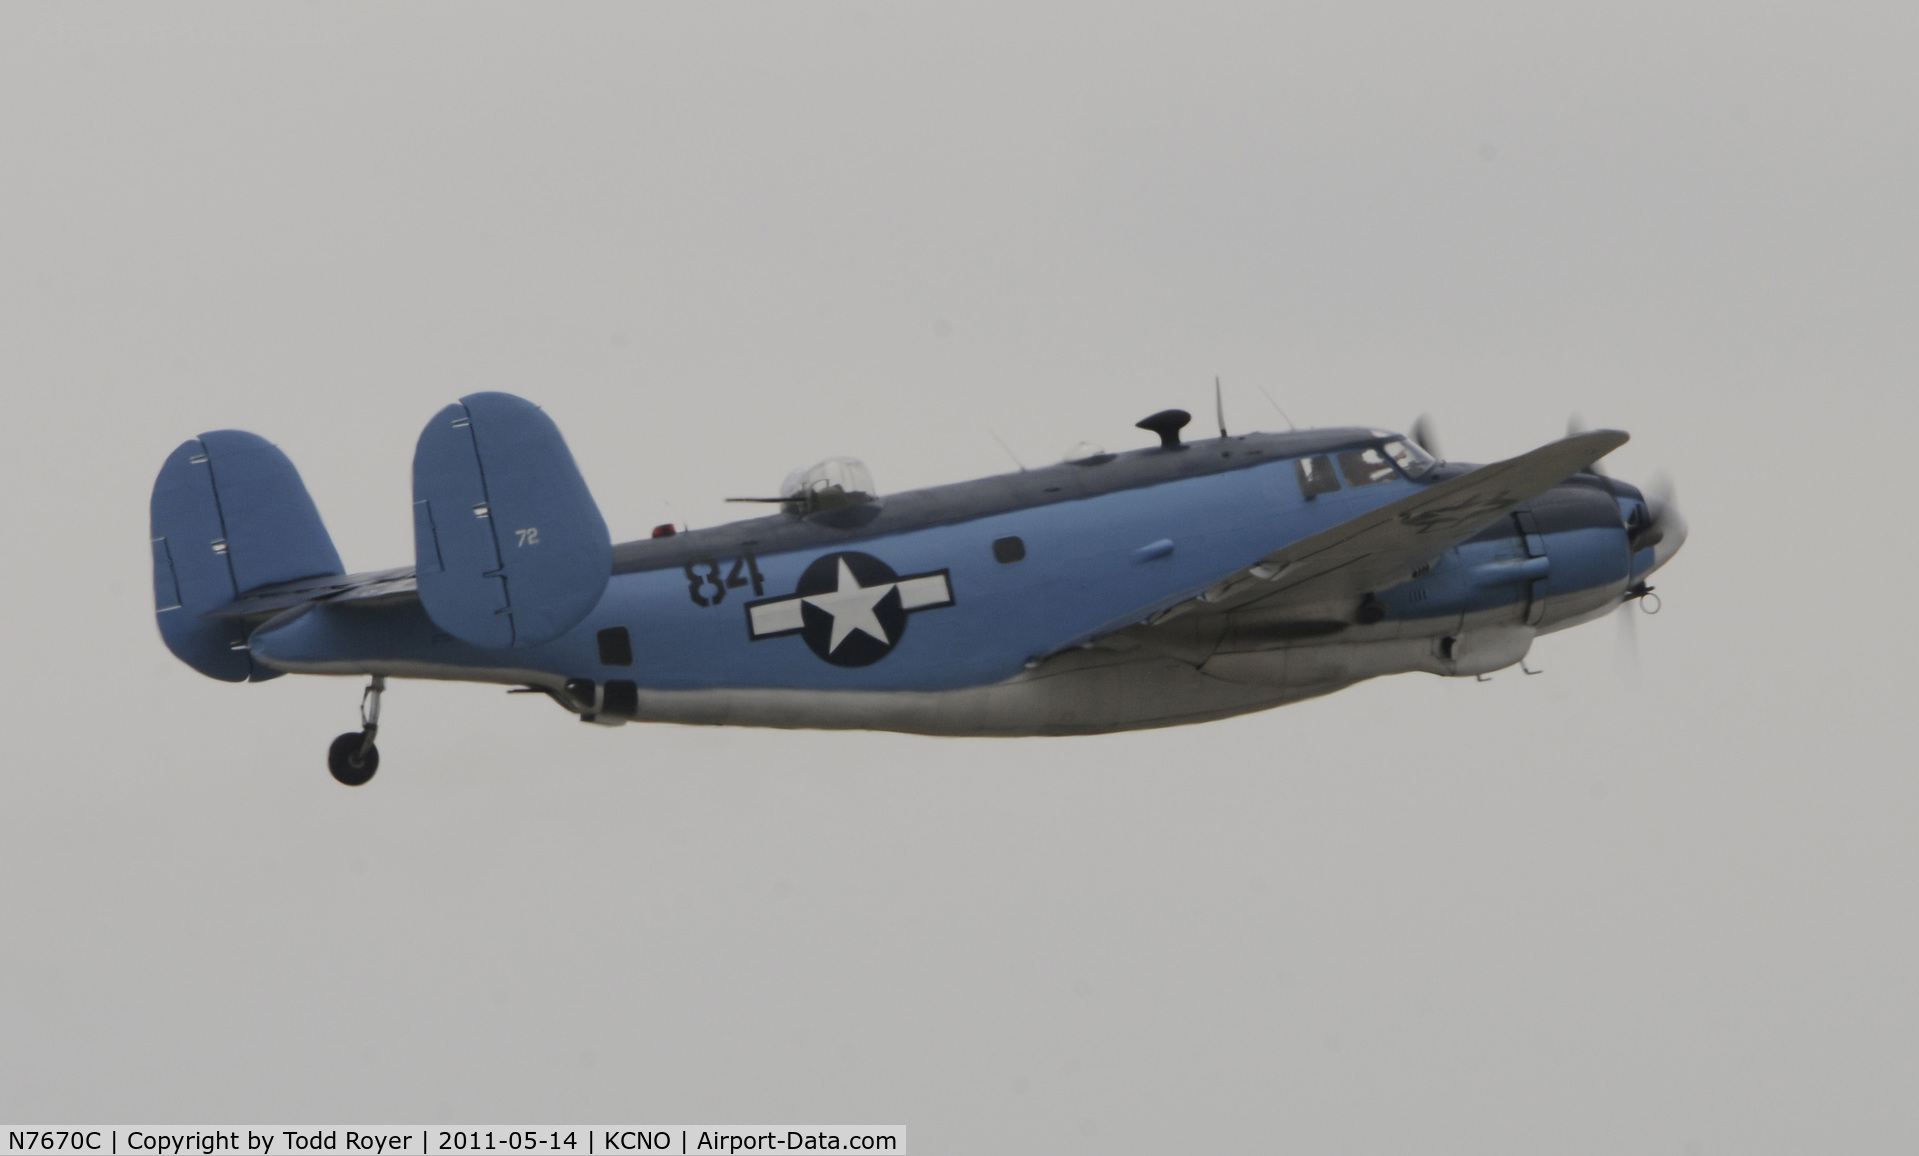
343, 758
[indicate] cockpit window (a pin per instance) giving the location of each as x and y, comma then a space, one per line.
1315, 476
1365, 467
1411, 460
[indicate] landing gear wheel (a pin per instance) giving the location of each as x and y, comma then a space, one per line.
353, 758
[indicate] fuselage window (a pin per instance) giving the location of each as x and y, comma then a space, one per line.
1315, 476
1365, 467
1008, 549
616, 647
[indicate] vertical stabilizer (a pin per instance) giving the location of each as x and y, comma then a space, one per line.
229, 515
509, 546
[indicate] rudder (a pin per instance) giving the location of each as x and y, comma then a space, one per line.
229, 515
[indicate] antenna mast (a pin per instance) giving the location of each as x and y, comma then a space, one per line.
1275, 405
1008, 449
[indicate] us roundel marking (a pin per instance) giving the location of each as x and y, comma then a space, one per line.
850, 608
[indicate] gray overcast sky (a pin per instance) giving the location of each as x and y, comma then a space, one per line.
1586, 912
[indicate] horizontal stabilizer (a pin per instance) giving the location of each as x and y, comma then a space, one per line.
229, 515
374, 588
509, 546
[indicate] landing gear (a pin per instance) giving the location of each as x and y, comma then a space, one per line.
353, 758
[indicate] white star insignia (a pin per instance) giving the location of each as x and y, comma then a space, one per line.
851, 606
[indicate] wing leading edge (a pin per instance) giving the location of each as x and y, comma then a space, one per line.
1381, 548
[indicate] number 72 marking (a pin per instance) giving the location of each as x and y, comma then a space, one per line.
529, 536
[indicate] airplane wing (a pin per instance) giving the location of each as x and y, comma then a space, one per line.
1381, 549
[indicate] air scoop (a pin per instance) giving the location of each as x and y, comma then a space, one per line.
1166, 423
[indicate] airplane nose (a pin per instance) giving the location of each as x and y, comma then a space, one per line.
1673, 536
1664, 530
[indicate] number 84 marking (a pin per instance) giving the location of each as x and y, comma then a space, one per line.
703, 574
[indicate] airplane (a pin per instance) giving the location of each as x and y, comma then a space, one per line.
1176, 583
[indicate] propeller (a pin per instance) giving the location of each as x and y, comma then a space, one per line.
1663, 530
1424, 437
1664, 525
1663, 520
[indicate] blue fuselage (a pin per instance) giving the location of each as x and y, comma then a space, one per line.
970, 585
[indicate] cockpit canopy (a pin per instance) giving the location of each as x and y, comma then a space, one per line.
1365, 466
834, 484
1409, 456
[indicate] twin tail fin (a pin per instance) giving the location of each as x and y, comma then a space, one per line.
510, 548
229, 515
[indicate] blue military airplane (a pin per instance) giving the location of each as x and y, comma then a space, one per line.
1186, 581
